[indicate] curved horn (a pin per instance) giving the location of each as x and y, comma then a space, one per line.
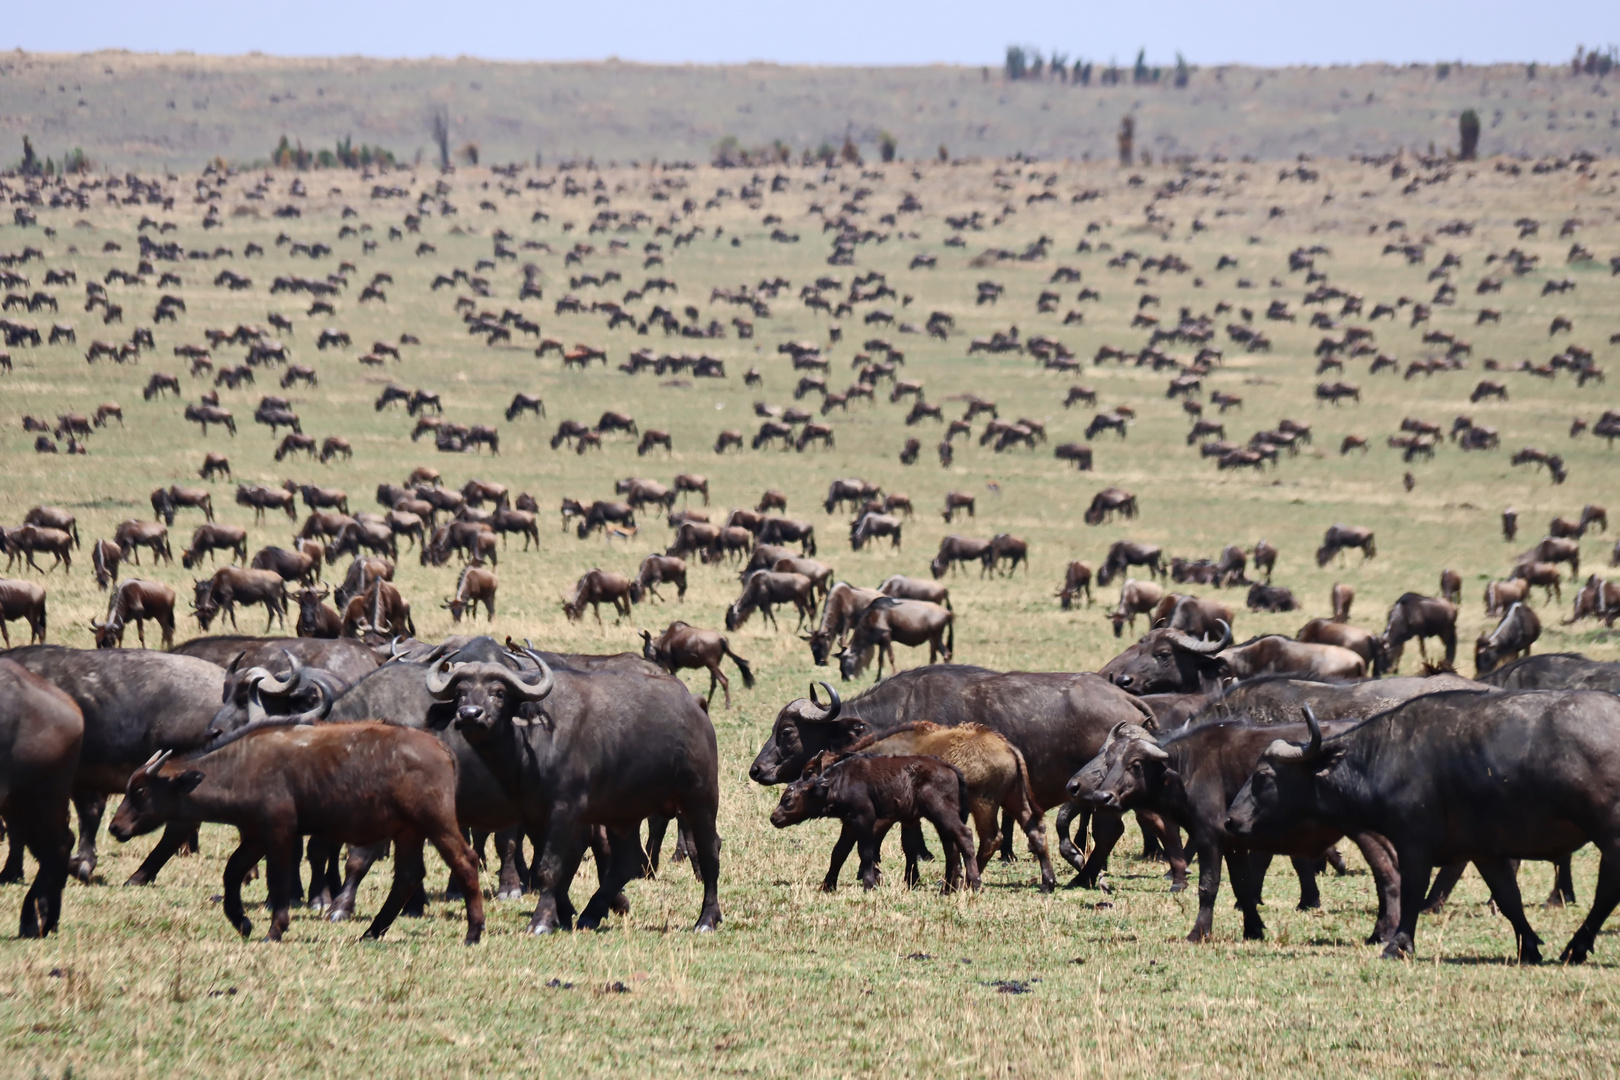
1183, 640
269, 684
1282, 750
439, 677
155, 762
834, 705
537, 690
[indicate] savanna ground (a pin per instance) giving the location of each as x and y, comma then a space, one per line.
1006, 982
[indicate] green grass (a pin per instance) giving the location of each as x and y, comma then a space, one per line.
796, 981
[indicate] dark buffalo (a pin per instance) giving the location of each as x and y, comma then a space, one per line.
41, 737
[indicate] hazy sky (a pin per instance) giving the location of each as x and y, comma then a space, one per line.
828, 31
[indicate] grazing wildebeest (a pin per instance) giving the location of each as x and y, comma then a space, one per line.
779, 530
763, 589
1190, 776
233, 585
1510, 524
105, 556
1511, 640
1340, 598
852, 493
135, 601
1005, 547
1339, 537
958, 500
302, 565
1545, 575
1265, 558
1555, 549
132, 534
869, 795
522, 403
598, 587
209, 538
41, 738
1271, 598
1123, 554
910, 588
1364, 643
956, 549
687, 483
214, 464
475, 586
843, 605
1432, 776
23, 600
1076, 453
315, 618
25, 541
1108, 502
683, 645
1418, 616
873, 525
771, 500
1598, 598
1501, 595
359, 783
1076, 580
887, 620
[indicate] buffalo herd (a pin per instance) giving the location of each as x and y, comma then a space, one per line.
348, 729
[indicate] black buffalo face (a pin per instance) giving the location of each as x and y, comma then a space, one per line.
1167, 661
1130, 764
1282, 793
803, 729
487, 695
151, 800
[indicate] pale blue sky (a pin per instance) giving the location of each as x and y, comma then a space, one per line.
827, 31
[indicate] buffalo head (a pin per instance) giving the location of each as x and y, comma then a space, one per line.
1281, 793
1168, 661
803, 729
1130, 763
487, 694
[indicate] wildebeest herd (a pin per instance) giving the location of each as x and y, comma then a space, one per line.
376, 724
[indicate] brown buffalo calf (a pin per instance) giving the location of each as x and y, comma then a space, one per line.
360, 783
41, 732
871, 795
22, 600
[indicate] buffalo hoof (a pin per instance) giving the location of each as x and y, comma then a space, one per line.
1178, 886
338, 915
620, 905
82, 869
1398, 947
11, 879
1308, 905
138, 878
1575, 952
1529, 955
1553, 901
510, 892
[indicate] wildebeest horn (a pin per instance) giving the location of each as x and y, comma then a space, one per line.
1281, 750
834, 705
1183, 640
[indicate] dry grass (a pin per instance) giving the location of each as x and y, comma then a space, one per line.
151, 980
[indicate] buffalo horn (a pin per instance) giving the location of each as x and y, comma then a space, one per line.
534, 691
155, 762
830, 712
439, 678
1183, 640
269, 684
1283, 750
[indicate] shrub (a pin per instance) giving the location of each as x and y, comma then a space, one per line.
1468, 129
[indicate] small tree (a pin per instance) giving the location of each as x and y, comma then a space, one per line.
887, 145
1127, 141
1183, 72
1468, 129
1082, 73
944, 154
1017, 62
849, 153
30, 161
1140, 73
1060, 65
469, 153
1036, 64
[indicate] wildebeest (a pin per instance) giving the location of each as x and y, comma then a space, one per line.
656, 570
598, 587
1597, 598
844, 603
870, 794
611, 747
873, 525
302, 565
1453, 777
1076, 453
780, 530
910, 588
887, 620
1123, 554
234, 585
1418, 616
1511, 640
763, 589
25, 541
135, 601
41, 738
51, 517
1056, 721
1364, 643
851, 492
1339, 537
1545, 575
1009, 549
683, 645
131, 535
1555, 549
521, 403
214, 464
475, 586
209, 538
1271, 598
1108, 502
267, 498
22, 600
1076, 580
957, 500
359, 783
315, 618
956, 549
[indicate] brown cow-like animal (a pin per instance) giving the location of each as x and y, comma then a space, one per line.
596, 588
683, 645
41, 734
136, 601
22, 600
1076, 580
475, 586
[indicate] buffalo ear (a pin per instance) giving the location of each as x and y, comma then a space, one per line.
1329, 760
187, 781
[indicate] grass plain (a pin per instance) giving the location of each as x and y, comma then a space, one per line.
1007, 982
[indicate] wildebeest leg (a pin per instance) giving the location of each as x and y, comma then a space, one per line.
243, 859
89, 805
840, 853
1309, 896
1563, 890
1444, 882
408, 874
716, 675
1107, 826
355, 869
175, 836
1603, 903
1502, 876
698, 817
43, 827
1066, 847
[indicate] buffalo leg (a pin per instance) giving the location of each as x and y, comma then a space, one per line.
43, 828
699, 819
89, 805
1107, 826
513, 872
409, 871
602, 848
325, 881
1007, 852
1209, 884
1248, 870
558, 851
1603, 903
1310, 897
1019, 810
1151, 847
1335, 859
241, 861
1563, 890
12, 874
1168, 838
1444, 882
623, 865
1416, 868
175, 836
957, 842
657, 825
840, 854
1066, 847
355, 868
475, 840
463, 863
1380, 856
984, 823
1502, 877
